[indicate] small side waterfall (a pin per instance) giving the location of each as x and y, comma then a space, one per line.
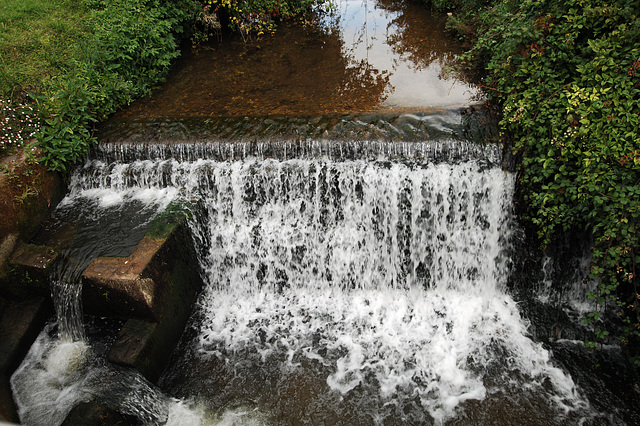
343, 286
63, 367
67, 300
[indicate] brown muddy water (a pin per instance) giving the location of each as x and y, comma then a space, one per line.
385, 56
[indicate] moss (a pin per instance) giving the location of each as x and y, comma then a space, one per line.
166, 222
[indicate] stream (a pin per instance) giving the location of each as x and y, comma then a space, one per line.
355, 227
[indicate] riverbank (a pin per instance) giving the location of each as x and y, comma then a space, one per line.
65, 65
567, 77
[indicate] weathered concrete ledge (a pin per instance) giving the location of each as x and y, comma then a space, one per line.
161, 271
125, 286
26, 274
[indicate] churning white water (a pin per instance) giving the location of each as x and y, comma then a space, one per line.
388, 275
377, 282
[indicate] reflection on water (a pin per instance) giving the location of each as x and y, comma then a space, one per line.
407, 44
363, 56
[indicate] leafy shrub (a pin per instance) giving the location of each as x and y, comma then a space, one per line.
567, 74
131, 49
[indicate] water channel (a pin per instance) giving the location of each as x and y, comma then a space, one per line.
356, 232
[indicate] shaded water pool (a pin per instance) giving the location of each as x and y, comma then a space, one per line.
364, 56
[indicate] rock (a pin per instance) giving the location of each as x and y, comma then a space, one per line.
20, 324
7, 245
27, 273
92, 414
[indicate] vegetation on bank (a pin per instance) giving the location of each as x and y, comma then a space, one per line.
67, 64
129, 50
90, 58
37, 38
255, 16
567, 76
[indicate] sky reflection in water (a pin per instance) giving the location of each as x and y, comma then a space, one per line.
363, 56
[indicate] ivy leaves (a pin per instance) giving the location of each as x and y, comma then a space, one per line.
566, 74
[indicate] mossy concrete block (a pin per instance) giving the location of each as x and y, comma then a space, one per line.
27, 272
145, 344
122, 286
160, 272
155, 288
135, 347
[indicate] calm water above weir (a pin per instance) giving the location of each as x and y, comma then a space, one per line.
364, 56
355, 227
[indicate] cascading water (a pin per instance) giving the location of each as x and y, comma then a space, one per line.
63, 368
365, 288
381, 280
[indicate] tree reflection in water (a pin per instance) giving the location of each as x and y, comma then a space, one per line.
362, 56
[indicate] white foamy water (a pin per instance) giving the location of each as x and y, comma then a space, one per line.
385, 274
378, 283
48, 384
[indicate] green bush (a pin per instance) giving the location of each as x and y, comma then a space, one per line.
131, 48
567, 74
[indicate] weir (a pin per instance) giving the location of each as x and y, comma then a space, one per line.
365, 287
357, 243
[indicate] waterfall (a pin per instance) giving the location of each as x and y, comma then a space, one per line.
368, 282
62, 368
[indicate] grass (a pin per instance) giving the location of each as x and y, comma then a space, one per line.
37, 37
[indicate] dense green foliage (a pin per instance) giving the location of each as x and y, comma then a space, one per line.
567, 75
37, 39
130, 49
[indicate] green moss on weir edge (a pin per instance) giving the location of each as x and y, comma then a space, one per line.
165, 223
